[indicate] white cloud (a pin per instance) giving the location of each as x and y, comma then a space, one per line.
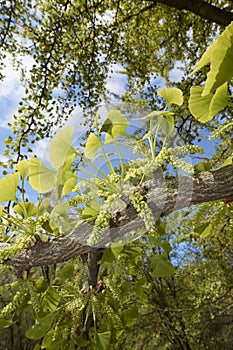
11, 89
116, 81
176, 74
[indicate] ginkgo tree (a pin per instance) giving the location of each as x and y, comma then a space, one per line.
117, 219
106, 241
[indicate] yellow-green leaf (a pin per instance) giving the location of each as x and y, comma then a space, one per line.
26, 209
172, 96
166, 123
8, 187
41, 178
228, 161
114, 125
61, 146
219, 100
92, 146
40, 327
69, 185
6, 323
199, 105
206, 232
204, 108
91, 210
220, 57
101, 341
22, 167
51, 299
161, 266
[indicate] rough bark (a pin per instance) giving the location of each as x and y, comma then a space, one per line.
200, 8
163, 198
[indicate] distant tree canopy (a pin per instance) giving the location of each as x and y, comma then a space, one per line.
74, 43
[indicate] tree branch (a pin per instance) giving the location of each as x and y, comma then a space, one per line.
200, 8
161, 197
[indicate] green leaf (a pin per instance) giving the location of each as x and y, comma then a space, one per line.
67, 272
8, 186
219, 100
166, 123
91, 210
220, 57
201, 228
40, 285
60, 147
206, 232
66, 170
228, 161
202, 166
51, 342
69, 185
80, 341
101, 341
114, 125
130, 316
92, 146
116, 249
199, 105
59, 217
154, 114
161, 266
26, 209
6, 323
41, 178
166, 246
22, 167
204, 108
40, 327
114, 303
172, 96
51, 299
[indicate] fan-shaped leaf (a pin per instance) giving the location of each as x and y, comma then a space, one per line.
51, 299
228, 161
220, 57
219, 100
8, 187
41, 178
161, 266
166, 123
26, 209
172, 96
91, 210
69, 185
114, 125
101, 341
40, 327
204, 108
61, 146
22, 167
92, 146
6, 323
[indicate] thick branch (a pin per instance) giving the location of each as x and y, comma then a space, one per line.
202, 9
163, 198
